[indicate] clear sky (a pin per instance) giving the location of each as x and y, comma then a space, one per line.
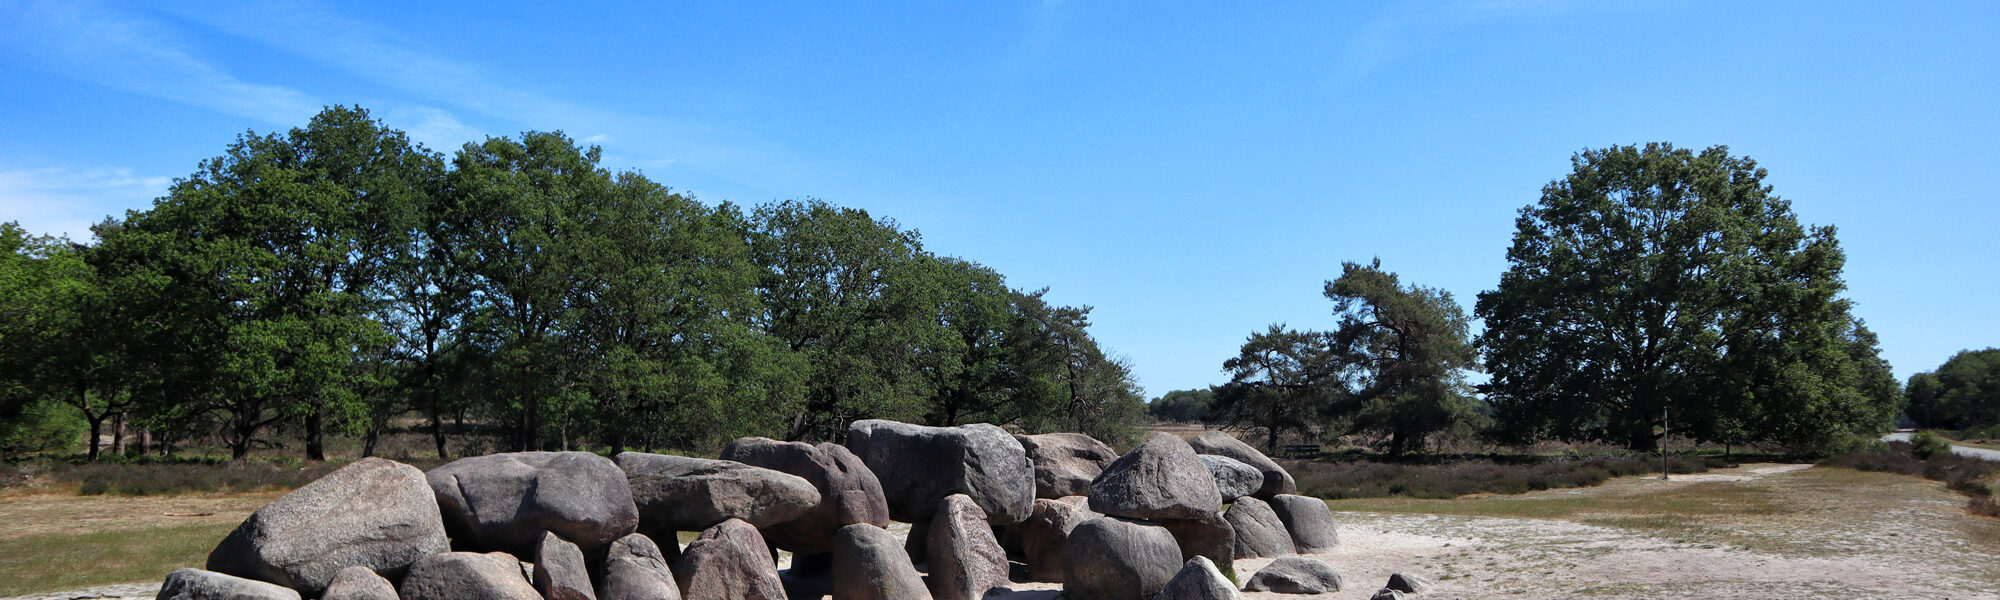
1194, 171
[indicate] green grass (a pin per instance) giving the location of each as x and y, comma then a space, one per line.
63, 562
1691, 499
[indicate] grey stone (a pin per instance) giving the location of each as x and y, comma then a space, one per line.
1046, 530
1211, 537
1387, 594
1199, 580
504, 502
728, 562
1233, 479
1295, 575
1408, 582
1276, 480
810, 576
460, 575
1259, 531
1065, 463
965, 559
918, 466
560, 573
679, 493
1309, 521
1109, 558
635, 569
849, 493
868, 564
359, 583
1160, 479
196, 584
373, 513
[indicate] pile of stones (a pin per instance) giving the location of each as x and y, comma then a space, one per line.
1147, 525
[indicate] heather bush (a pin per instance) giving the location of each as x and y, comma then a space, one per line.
1494, 474
1963, 474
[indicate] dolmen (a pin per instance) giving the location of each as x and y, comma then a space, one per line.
1165, 520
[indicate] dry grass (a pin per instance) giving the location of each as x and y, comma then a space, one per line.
56, 541
1816, 532
68, 561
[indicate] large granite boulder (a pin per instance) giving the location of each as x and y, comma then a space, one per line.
918, 466
460, 575
1409, 583
1233, 479
359, 583
196, 584
868, 564
635, 569
679, 493
965, 559
1211, 537
1199, 580
504, 502
1259, 531
1160, 479
1109, 558
1045, 532
1387, 594
1309, 521
373, 513
728, 562
560, 573
1295, 575
1276, 480
1065, 463
849, 493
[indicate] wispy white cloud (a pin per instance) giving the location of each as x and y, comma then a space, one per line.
392, 59
435, 128
116, 49
67, 201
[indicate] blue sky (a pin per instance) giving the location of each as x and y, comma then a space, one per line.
1195, 172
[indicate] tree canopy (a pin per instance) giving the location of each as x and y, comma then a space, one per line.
1658, 279
330, 278
1394, 366
1962, 393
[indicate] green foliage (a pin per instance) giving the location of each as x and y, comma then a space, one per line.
1182, 406
335, 277
1406, 349
42, 426
1654, 279
1963, 393
1394, 366
1925, 445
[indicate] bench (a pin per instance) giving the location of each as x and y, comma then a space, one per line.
1301, 450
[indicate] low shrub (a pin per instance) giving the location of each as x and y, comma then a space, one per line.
1962, 474
156, 478
1492, 474
1925, 445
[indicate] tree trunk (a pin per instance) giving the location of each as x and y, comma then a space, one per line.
118, 434
437, 421
96, 429
145, 441
368, 444
316, 433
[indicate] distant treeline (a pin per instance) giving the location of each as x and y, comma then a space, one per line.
336, 277
1652, 290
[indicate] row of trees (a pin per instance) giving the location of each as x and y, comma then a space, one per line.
1651, 282
336, 277
1963, 393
